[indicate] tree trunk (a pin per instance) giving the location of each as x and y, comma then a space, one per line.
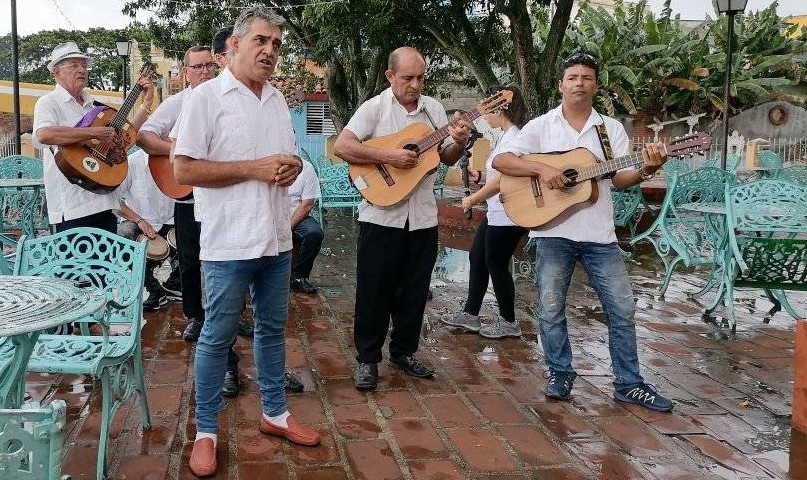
524, 52
547, 76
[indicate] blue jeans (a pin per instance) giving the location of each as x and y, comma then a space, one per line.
555, 259
226, 284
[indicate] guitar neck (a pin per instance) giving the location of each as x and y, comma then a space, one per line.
604, 168
441, 134
120, 118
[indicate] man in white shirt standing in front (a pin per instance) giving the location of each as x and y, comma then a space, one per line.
306, 232
235, 145
397, 245
55, 117
587, 235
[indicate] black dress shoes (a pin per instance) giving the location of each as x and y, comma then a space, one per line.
303, 285
412, 366
366, 376
293, 384
193, 329
231, 384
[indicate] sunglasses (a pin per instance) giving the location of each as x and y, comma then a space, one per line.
581, 56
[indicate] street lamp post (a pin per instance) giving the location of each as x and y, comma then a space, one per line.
15, 55
730, 8
123, 46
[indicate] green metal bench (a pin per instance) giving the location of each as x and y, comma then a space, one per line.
440, 181
681, 236
629, 207
794, 174
117, 266
31, 442
767, 232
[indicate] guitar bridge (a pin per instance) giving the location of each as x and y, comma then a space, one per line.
385, 174
536, 191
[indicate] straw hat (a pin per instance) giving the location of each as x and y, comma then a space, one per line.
63, 51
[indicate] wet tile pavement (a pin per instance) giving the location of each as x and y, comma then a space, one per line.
484, 416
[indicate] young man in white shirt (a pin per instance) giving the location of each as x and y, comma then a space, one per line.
397, 245
306, 232
235, 145
586, 235
152, 214
55, 117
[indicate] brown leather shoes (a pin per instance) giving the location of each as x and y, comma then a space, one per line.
295, 433
203, 458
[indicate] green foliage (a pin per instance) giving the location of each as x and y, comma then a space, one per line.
652, 63
99, 43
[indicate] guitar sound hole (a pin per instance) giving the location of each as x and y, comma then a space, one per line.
411, 146
571, 174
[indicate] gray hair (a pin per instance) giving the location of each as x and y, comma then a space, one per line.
244, 20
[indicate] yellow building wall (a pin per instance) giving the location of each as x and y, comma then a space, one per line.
30, 92
800, 20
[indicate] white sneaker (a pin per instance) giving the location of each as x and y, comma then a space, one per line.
500, 329
463, 320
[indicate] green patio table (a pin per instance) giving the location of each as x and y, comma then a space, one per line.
29, 305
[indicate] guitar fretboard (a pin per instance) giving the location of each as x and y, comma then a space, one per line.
441, 134
607, 167
123, 112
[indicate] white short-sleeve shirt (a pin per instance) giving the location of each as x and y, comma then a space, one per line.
222, 121
383, 115
65, 200
142, 195
552, 133
164, 120
496, 215
305, 187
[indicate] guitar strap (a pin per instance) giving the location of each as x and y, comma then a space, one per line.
605, 143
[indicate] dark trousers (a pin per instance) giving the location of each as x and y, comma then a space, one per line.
103, 220
190, 269
490, 256
307, 238
393, 272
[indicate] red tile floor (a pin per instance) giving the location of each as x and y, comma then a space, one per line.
484, 416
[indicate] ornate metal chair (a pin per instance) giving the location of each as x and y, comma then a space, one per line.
439, 182
766, 227
31, 441
682, 236
21, 210
337, 190
117, 266
794, 174
629, 206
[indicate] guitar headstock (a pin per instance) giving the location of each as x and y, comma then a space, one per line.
689, 144
148, 70
495, 103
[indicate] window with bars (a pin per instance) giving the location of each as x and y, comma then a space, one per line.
318, 119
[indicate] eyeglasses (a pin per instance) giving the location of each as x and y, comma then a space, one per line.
581, 56
209, 66
73, 65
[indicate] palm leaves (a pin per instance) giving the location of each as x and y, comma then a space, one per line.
653, 64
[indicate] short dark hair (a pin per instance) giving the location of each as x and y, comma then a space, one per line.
220, 40
517, 111
194, 49
581, 58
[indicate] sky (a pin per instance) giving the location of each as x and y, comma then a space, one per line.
36, 15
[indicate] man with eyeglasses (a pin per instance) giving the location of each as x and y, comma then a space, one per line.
55, 117
586, 235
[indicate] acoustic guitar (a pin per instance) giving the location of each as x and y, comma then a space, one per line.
530, 203
162, 171
93, 165
384, 185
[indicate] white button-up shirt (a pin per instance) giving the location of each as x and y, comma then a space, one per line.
552, 133
305, 187
496, 215
222, 121
142, 195
66, 201
383, 115
165, 119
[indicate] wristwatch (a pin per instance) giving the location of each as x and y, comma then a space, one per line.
645, 173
